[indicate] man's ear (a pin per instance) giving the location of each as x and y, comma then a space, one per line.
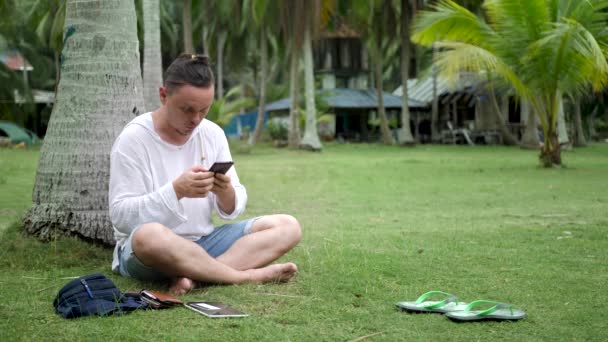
162, 93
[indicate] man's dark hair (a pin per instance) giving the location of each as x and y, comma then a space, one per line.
189, 69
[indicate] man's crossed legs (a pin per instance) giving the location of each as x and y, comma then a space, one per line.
247, 260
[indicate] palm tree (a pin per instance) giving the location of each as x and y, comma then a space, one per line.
293, 28
377, 20
311, 140
259, 11
187, 26
542, 48
405, 134
579, 135
152, 66
220, 23
100, 90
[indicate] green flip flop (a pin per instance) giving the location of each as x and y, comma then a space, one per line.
448, 304
498, 311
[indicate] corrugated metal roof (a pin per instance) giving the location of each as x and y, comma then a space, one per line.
350, 98
422, 90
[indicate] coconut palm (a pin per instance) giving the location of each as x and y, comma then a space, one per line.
293, 28
152, 65
100, 90
542, 48
405, 134
377, 21
187, 26
220, 26
263, 27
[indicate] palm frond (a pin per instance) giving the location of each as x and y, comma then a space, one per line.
456, 57
449, 21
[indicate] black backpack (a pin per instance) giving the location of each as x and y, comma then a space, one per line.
95, 294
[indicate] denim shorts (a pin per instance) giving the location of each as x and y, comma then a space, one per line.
215, 244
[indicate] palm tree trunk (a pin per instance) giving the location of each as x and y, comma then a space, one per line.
530, 138
384, 130
550, 154
57, 71
98, 94
405, 134
263, 73
562, 131
435, 105
204, 43
187, 25
311, 140
152, 66
221, 43
294, 92
579, 136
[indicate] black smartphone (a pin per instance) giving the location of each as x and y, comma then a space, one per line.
221, 167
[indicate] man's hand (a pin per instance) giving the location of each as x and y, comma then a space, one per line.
223, 189
194, 183
221, 184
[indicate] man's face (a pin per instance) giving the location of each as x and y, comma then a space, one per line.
186, 107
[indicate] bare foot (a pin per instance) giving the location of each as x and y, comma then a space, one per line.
274, 273
181, 286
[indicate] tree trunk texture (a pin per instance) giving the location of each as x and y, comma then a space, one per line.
204, 43
550, 154
294, 94
57, 71
99, 92
562, 131
435, 106
263, 73
311, 140
152, 68
187, 26
221, 43
405, 133
384, 129
530, 138
579, 134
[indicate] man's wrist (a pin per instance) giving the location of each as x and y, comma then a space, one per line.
227, 199
178, 193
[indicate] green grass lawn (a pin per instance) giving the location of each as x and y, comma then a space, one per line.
381, 225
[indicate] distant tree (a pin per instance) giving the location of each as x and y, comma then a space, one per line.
311, 140
405, 134
152, 66
293, 27
542, 48
377, 21
262, 13
100, 90
187, 26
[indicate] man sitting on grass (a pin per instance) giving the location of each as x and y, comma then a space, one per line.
162, 196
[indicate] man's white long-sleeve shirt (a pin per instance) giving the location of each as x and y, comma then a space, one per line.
142, 170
